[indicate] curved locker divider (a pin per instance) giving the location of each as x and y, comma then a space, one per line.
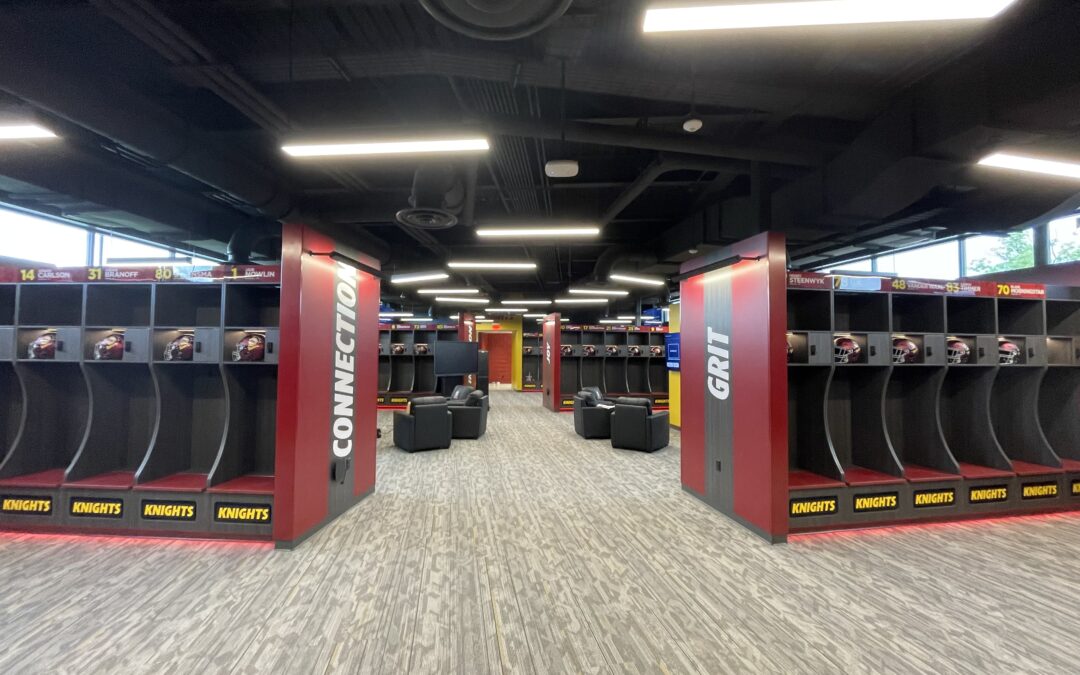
910, 411
122, 422
1059, 403
11, 408
637, 374
249, 444
402, 373
592, 372
384, 373
1014, 410
193, 414
54, 422
615, 375
811, 460
426, 381
965, 420
855, 425
658, 376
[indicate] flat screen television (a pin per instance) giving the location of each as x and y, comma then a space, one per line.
456, 358
672, 343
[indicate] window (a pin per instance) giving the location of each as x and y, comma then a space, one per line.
42, 241
937, 261
857, 266
986, 254
1064, 240
114, 250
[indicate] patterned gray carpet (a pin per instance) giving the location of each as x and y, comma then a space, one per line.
533, 551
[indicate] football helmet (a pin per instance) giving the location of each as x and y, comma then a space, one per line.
634, 350
567, 350
656, 351
43, 347
612, 350
791, 351
110, 348
904, 350
251, 347
846, 350
421, 348
526, 350
180, 349
1008, 352
397, 348
957, 351
590, 350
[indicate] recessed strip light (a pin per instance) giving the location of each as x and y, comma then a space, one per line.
482, 265
590, 291
449, 291
630, 279
23, 132
1048, 167
535, 316
417, 277
485, 321
395, 147
626, 317
455, 317
562, 320
615, 321
394, 315
506, 310
526, 232
421, 319
462, 301
527, 303
479, 316
819, 13
581, 301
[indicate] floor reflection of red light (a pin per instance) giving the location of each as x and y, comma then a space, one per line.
8, 537
886, 530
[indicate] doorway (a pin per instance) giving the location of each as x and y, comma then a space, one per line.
499, 347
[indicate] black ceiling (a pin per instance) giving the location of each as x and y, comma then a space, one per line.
849, 140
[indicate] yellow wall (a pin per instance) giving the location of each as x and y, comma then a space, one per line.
512, 325
674, 378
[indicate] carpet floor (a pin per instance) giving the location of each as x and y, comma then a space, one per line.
535, 551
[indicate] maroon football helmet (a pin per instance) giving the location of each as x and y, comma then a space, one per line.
397, 348
656, 351
526, 350
612, 350
251, 347
181, 349
791, 351
43, 347
421, 348
904, 350
957, 351
590, 350
1008, 352
110, 348
567, 350
846, 350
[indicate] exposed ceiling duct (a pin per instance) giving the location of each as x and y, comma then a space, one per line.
496, 19
438, 197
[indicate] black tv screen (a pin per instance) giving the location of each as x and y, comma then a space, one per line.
456, 358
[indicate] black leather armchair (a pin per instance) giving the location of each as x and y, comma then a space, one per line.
592, 414
459, 395
425, 425
470, 418
634, 426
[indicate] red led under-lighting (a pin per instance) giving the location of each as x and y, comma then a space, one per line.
156, 540
887, 529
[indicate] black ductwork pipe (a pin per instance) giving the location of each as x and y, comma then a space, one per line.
65, 87
619, 255
496, 19
245, 240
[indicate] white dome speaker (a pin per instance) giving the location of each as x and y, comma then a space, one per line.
561, 168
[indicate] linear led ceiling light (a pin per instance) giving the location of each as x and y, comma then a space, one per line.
591, 291
530, 232
615, 321
420, 319
485, 321
563, 320
645, 281
388, 147
527, 303
505, 310
1048, 167
626, 317
482, 265
535, 316
417, 277
817, 13
581, 301
462, 301
24, 132
394, 315
449, 291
